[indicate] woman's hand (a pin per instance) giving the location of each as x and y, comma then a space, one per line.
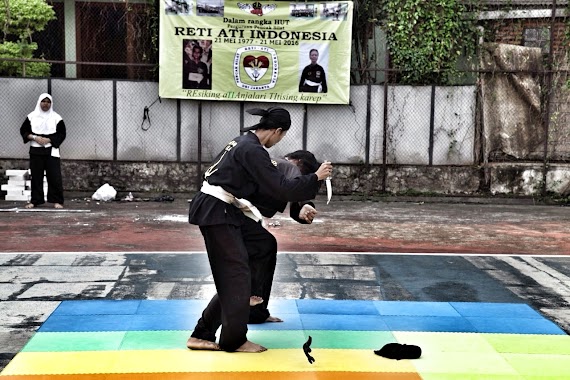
324, 171
42, 140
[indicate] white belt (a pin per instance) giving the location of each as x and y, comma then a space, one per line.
314, 84
311, 83
244, 205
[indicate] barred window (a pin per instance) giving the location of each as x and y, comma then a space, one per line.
537, 37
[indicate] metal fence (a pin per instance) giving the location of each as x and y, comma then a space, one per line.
126, 121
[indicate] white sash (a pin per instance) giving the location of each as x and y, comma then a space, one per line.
244, 205
314, 84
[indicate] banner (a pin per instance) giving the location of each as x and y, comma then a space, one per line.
262, 51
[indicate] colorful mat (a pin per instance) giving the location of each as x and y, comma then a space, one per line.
145, 339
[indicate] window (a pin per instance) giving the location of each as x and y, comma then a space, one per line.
537, 37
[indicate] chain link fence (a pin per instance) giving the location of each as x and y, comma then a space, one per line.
383, 124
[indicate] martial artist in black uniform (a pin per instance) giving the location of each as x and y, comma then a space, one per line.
243, 170
263, 268
313, 77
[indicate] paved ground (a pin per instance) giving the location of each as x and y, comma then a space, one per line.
340, 226
413, 251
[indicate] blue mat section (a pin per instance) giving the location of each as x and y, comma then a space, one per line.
495, 310
344, 322
163, 307
97, 307
428, 323
514, 325
346, 307
431, 309
131, 315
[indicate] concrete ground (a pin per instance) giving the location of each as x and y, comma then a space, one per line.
416, 251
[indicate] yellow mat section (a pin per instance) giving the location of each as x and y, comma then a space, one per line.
280, 360
225, 376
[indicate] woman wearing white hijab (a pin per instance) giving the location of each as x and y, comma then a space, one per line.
45, 130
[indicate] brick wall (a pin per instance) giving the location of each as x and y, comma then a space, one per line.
511, 31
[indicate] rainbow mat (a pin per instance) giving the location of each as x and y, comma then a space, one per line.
145, 339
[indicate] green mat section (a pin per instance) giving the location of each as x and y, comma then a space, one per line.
83, 341
529, 344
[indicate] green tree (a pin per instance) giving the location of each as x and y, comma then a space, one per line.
22, 19
426, 38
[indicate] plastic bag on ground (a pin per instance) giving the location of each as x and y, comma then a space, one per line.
104, 193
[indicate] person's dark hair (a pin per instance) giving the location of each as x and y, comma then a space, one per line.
271, 118
306, 161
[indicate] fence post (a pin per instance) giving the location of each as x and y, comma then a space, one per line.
547, 95
178, 131
199, 171
368, 118
385, 131
115, 129
305, 125
431, 124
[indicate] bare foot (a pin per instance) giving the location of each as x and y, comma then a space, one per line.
255, 300
29, 205
251, 347
201, 344
57, 205
273, 319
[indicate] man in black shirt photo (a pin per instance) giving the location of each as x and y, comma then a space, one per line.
313, 78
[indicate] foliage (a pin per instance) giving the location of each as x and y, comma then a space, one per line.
20, 69
22, 19
364, 21
426, 38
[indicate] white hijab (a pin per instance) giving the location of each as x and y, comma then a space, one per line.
44, 123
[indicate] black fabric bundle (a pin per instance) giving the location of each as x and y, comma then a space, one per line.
399, 351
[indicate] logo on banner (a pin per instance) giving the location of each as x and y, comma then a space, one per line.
257, 8
256, 68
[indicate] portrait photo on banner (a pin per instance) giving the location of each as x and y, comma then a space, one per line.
196, 64
313, 67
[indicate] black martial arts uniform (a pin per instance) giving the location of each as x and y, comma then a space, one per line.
313, 79
262, 266
191, 67
245, 170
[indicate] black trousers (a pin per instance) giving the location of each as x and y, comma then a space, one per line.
52, 167
239, 257
262, 249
